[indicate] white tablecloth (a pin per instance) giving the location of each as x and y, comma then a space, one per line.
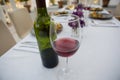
98, 58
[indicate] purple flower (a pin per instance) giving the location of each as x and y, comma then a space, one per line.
82, 23
73, 24
75, 13
79, 7
79, 13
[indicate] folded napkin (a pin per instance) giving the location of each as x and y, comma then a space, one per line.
30, 47
104, 23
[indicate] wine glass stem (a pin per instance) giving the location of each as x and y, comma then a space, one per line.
66, 66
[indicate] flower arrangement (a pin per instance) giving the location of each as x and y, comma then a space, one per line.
74, 25
79, 12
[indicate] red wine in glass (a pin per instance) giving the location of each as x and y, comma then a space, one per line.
66, 47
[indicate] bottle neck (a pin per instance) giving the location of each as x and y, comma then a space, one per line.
42, 11
41, 3
41, 7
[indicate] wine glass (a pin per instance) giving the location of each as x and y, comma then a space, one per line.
65, 38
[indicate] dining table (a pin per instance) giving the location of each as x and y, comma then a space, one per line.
98, 57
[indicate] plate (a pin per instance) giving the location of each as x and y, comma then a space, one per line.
59, 27
60, 13
102, 16
70, 7
96, 9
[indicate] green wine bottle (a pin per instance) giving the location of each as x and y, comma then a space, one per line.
41, 27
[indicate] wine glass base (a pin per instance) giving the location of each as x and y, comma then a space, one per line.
66, 74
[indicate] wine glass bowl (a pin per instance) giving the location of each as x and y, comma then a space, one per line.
66, 42
65, 47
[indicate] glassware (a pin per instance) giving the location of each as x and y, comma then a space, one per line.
65, 38
41, 27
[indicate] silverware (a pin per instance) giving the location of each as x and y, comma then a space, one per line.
29, 46
23, 50
30, 43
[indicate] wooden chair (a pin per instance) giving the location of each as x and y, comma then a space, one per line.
6, 38
22, 21
117, 12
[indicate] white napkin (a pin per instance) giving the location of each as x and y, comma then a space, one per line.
104, 23
30, 47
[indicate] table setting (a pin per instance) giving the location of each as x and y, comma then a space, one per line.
96, 57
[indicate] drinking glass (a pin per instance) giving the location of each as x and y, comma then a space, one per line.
65, 38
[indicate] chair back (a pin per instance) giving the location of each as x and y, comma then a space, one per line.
117, 10
22, 21
6, 38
